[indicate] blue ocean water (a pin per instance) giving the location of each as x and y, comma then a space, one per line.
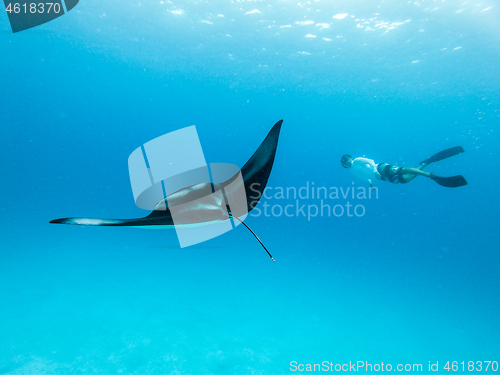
412, 280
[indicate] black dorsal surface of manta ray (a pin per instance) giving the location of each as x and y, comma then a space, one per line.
255, 174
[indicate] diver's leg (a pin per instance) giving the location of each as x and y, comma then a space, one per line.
408, 174
408, 177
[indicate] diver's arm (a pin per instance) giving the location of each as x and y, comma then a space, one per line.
373, 167
363, 168
369, 169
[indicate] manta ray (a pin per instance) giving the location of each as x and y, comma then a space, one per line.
210, 208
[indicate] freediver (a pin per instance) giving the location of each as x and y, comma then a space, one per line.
370, 171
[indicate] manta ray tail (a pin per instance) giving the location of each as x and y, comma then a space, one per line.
257, 237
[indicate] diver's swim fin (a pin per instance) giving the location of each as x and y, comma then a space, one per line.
444, 154
454, 181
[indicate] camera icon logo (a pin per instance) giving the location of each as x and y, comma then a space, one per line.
172, 166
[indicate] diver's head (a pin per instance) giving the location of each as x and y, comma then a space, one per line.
346, 161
